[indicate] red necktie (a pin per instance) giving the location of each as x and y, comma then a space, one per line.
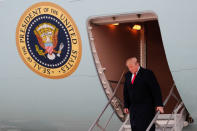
133, 78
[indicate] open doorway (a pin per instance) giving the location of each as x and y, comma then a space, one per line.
115, 38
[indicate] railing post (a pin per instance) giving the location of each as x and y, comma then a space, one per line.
96, 121
158, 112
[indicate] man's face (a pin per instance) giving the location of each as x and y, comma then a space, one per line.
133, 67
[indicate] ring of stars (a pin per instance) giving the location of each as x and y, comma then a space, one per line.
29, 47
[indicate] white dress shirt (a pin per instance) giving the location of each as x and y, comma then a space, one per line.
136, 73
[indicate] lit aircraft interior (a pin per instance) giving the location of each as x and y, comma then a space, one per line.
114, 38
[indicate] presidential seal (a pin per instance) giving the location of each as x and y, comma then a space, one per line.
48, 40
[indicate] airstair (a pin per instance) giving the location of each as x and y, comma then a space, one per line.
163, 122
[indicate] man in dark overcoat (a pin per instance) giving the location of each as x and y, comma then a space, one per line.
142, 95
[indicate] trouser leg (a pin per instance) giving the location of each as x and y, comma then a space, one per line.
132, 122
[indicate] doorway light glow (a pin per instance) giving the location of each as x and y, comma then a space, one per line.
137, 27
115, 24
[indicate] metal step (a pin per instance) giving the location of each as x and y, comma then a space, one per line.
169, 127
166, 121
171, 122
166, 129
127, 128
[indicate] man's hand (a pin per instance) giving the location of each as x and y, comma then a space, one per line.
126, 110
160, 108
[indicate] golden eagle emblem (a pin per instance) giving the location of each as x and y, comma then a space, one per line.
47, 36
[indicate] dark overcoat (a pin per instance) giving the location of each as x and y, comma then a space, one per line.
141, 98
